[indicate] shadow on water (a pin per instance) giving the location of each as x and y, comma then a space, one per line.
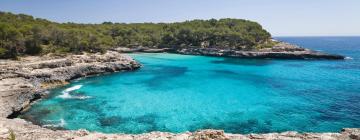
240, 126
147, 123
244, 62
341, 109
111, 121
36, 116
92, 106
163, 74
273, 82
341, 67
295, 65
324, 108
252, 78
153, 56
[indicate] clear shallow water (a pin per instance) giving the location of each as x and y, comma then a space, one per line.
178, 93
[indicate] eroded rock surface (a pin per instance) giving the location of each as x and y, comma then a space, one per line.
26, 131
24, 80
281, 50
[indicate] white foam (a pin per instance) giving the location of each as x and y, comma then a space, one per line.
81, 97
62, 123
66, 93
73, 88
349, 58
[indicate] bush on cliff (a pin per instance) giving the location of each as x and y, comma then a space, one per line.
22, 34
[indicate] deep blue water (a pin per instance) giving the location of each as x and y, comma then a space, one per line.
178, 93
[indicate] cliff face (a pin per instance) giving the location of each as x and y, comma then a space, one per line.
279, 51
23, 81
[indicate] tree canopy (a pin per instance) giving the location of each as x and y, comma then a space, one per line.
25, 35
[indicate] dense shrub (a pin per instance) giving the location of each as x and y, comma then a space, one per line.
22, 34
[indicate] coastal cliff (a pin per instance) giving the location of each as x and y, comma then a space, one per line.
281, 50
25, 80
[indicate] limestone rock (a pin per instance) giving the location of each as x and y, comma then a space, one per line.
24, 80
26, 131
281, 50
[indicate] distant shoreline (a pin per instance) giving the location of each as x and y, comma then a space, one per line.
280, 51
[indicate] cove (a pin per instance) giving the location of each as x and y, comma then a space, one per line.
178, 93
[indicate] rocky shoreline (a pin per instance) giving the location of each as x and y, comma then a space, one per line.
26, 131
281, 50
26, 80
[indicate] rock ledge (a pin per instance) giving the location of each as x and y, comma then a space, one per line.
281, 50
25, 80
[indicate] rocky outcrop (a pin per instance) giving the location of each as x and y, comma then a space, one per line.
281, 50
24, 80
142, 49
307, 54
23, 130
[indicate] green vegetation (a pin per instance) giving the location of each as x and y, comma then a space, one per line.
24, 35
11, 135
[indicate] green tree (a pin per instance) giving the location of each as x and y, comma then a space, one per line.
10, 41
22, 34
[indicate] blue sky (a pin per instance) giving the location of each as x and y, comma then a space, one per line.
279, 17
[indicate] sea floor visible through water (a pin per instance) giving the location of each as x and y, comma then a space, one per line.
178, 93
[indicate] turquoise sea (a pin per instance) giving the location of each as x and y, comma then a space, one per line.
178, 93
